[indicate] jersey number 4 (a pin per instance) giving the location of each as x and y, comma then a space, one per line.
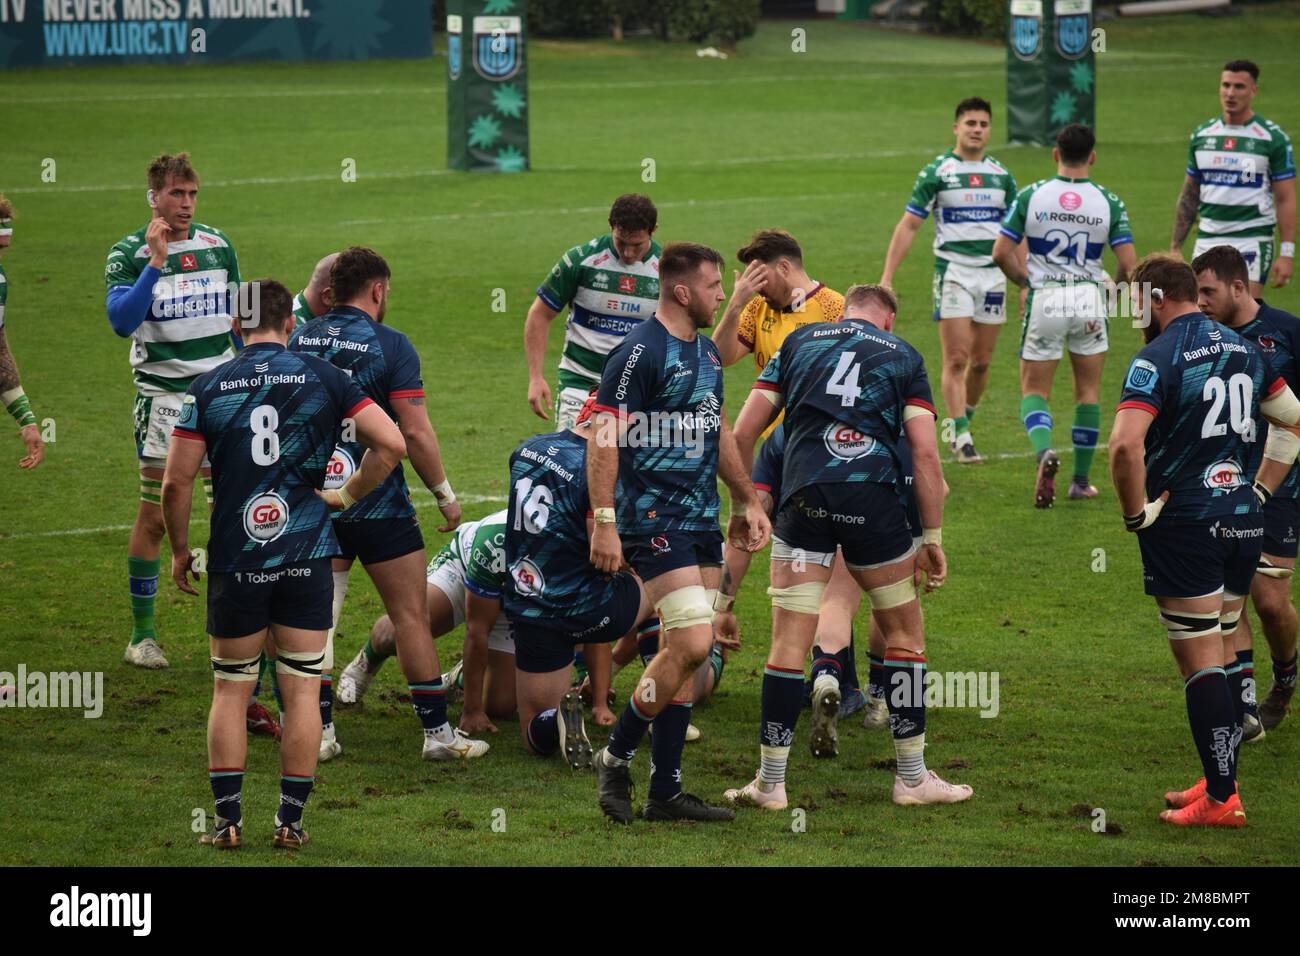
1236, 394
266, 443
844, 380
532, 506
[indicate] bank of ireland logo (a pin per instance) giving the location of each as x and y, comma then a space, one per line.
1223, 474
498, 47
341, 467
453, 46
1073, 27
1026, 28
528, 578
847, 443
266, 517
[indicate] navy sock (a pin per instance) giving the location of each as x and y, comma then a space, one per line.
782, 696
544, 733
429, 702
1246, 661
627, 733
294, 792
227, 783
849, 662
824, 663
647, 640
875, 676
905, 697
1214, 727
1284, 671
327, 699
666, 750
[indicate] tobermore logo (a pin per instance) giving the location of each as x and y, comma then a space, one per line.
74, 909
340, 468
266, 517
1223, 474
847, 443
1071, 201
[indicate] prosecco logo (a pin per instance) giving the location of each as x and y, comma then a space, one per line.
266, 517
846, 443
341, 467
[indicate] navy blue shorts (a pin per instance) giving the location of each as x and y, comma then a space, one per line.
867, 520
543, 645
1280, 527
293, 595
373, 540
1189, 559
671, 550
908, 495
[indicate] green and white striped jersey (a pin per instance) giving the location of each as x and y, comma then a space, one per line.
969, 199
1236, 167
479, 548
1067, 224
187, 330
302, 312
606, 299
4, 295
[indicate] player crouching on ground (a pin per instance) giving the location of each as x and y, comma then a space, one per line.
269, 420
849, 389
1184, 434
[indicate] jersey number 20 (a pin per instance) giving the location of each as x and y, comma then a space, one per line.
1237, 393
266, 443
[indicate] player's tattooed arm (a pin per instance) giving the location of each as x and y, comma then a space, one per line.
1189, 202
425, 454
418, 400
9, 378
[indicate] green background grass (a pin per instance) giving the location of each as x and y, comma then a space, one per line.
824, 143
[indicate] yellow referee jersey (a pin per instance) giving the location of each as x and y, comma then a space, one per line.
763, 328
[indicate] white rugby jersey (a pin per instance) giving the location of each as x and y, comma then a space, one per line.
1067, 224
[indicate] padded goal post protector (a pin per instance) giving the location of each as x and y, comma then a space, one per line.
487, 85
1051, 69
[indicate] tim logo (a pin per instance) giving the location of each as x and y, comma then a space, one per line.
627, 284
1223, 474
189, 262
1070, 201
340, 468
847, 443
74, 909
266, 517
527, 577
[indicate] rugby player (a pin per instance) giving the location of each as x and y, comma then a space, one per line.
849, 390
610, 286
1223, 290
382, 530
269, 420
1184, 436
969, 193
12, 396
1240, 183
1066, 223
169, 285
772, 296
317, 299
553, 597
661, 439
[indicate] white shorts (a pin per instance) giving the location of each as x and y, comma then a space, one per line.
1257, 251
567, 405
449, 578
969, 292
155, 417
1064, 317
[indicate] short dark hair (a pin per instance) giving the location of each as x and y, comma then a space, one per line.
6, 207
768, 245
354, 269
679, 260
264, 304
972, 103
865, 292
1076, 143
1242, 66
1226, 262
1171, 275
633, 212
165, 165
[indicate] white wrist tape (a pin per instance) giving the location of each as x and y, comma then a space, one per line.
932, 536
723, 602
1283, 407
346, 497
1286, 250
604, 515
443, 493
1281, 445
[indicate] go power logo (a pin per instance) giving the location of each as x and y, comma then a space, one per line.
847, 443
266, 517
77, 909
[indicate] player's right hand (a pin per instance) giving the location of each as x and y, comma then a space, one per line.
539, 398
332, 499
749, 529
751, 282
182, 564
476, 722
726, 630
1148, 515
932, 565
35, 447
606, 548
451, 514
155, 236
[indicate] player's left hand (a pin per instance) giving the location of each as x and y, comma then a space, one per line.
451, 512
182, 564
749, 530
932, 565
332, 499
35, 447
726, 630
1281, 271
476, 722
603, 716
606, 548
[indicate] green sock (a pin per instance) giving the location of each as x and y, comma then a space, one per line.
143, 575
970, 412
1038, 422
1087, 423
960, 425
372, 657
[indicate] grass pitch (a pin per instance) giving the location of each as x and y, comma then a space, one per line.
824, 143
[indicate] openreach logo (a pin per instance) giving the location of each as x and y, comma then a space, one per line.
960, 689
82, 690
76, 909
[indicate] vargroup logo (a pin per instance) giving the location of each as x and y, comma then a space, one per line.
1223, 474
528, 578
847, 443
497, 46
74, 908
266, 517
341, 467
1070, 201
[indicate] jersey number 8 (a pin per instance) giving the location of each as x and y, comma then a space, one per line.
266, 443
1237, 393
